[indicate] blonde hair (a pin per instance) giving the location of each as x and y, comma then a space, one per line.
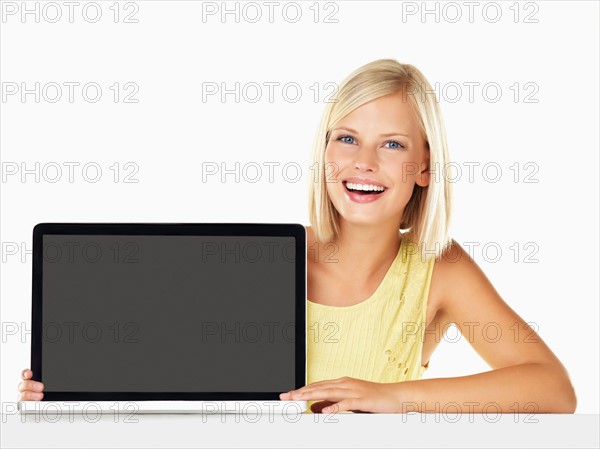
426, 217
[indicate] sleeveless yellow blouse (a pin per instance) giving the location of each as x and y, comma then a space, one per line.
379, 339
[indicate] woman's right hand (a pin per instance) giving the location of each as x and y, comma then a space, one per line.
30, 390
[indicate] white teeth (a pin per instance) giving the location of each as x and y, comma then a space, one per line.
364, 187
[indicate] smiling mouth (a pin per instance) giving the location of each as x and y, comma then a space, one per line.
363, 192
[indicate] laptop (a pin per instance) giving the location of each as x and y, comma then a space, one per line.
168, 318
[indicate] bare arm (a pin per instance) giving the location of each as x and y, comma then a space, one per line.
526, 376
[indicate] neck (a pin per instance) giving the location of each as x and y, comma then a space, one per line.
366, 250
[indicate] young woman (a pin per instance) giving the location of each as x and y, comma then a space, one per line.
385, 278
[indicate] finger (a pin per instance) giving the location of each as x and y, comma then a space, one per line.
31, 385
323, 393
309, 389
349, 404
30, 396
318, 407
26, 373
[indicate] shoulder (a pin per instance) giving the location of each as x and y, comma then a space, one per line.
454, 272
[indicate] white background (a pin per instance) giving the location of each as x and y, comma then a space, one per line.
170, 132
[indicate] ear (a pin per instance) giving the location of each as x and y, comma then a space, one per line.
423, 177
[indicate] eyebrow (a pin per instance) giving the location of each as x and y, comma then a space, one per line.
381, 135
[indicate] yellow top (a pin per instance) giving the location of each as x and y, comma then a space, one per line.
379, 339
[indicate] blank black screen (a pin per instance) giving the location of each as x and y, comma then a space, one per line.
168, 313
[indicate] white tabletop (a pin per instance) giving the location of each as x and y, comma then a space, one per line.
307, 430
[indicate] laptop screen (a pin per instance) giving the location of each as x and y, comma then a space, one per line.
168, 313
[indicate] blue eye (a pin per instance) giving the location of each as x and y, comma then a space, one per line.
343, 137
397, 143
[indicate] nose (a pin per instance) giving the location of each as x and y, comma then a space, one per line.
366, 159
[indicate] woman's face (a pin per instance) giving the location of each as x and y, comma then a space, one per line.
377, 144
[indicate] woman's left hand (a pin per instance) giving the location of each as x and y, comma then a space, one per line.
347, 393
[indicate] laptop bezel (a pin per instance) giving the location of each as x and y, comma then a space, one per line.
297, 231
